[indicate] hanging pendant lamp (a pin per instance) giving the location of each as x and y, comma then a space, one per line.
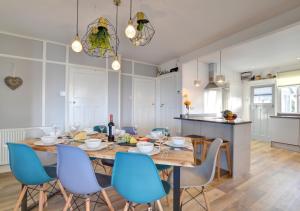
76, 44
130, 30
116, 65
197, 82
220, 79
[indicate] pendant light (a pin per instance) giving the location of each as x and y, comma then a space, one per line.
76, 44
220, 79
197, 82
116, 65
130, 30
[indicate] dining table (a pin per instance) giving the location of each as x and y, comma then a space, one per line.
172, 156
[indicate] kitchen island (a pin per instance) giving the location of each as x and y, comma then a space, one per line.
237, 132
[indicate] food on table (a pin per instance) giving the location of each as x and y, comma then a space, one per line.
133, 140
80, 136
229, 115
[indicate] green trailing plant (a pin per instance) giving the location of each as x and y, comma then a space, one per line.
99, 38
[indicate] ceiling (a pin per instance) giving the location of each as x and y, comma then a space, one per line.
270, 52
181, 26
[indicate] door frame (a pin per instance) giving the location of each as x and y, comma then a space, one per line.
68, 87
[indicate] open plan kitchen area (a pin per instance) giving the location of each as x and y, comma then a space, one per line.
109, 105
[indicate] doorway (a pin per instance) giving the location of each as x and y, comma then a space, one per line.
262, 107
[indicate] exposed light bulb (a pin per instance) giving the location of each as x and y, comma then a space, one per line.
76, 45
130, 31
298, 58
116, 64
197, 83
220, 79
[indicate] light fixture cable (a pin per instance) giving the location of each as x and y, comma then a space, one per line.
77, 18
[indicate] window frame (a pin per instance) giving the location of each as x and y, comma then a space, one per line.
279, 101
263, 86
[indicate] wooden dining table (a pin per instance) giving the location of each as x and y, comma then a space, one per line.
175, 157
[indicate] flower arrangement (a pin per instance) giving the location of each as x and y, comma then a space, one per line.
187, 103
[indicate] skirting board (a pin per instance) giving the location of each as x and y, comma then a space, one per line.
4, 169
290, 147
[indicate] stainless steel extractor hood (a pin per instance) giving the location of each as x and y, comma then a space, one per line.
212, 67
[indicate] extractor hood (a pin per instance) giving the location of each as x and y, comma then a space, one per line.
212, 67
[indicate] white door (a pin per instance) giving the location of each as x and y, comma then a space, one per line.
87, 97
167, 107
262, 106
144, 104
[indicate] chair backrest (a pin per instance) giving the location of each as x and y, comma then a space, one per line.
165, 131
209, 165
135, 177
25, 165
75, 171
100, 128
130, 130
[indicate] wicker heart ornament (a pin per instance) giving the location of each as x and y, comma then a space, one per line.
13, 82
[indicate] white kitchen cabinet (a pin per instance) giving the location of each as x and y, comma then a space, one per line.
285, 130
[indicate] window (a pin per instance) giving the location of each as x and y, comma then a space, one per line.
290, 99
262, 95
213, 101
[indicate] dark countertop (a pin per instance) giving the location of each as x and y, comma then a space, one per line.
285, 117
214, 120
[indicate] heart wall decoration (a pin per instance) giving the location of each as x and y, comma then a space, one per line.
13, 82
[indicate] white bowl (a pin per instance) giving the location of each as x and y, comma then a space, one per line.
48, 139
120, 132
145, 147
178, 141
92, 143
156, 134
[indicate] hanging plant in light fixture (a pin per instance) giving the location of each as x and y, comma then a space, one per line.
144, 30
101, 39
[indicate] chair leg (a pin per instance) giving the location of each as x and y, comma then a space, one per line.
68, 203
181, 195
203, 152
228, 156
87, 204
219, 165
205, 199
63, 192
45, 202
107, 200
41, 199
160, 208
126, 206
21, 196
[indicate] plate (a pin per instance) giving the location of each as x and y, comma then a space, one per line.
135, 150
185, 145
102, 146
92, 133
151, 137
40, 143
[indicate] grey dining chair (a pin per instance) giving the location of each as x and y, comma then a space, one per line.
200, 176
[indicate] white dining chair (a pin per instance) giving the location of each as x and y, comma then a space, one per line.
200, 176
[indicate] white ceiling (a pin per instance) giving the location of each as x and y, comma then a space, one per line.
181, 26
273, 51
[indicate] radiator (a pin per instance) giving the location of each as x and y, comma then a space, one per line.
9, 135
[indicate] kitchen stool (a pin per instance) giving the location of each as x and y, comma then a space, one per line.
197, 140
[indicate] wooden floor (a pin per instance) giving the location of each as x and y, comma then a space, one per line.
273, 184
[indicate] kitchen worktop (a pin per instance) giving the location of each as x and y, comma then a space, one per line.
214, 120
288, 117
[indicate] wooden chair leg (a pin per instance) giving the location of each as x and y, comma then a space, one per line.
203, 152
205, 199
160, 208
41, 198
219, 165
87, 204
126, 206
181, 195
228, 157
107, 200
68, 202
20, 198
45, 202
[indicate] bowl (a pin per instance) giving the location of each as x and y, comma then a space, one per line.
145, 147
156, 134
48, 139
119, 132
179, 141
92, 143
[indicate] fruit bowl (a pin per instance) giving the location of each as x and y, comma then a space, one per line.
229, 115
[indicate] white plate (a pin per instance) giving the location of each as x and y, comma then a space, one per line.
135, 150
185, 145
102, 146
92, 133
40, 143
153, 138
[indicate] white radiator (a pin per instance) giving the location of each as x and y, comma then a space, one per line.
9, 135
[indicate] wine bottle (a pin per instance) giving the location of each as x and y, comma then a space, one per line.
111, 129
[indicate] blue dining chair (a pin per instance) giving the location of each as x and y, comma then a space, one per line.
135, 178
130, 130
29, 171
76, 173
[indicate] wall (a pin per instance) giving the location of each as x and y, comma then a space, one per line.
43, 65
